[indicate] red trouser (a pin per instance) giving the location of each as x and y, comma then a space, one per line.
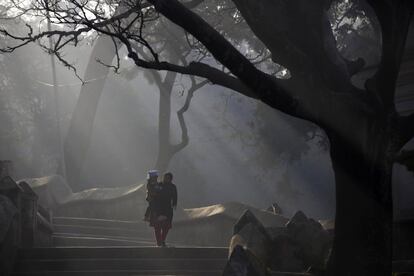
161, 232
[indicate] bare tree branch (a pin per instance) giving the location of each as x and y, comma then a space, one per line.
264, 86
180, 114
215, 76
60, 33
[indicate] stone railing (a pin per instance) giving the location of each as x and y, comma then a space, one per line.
23, 222
9, 234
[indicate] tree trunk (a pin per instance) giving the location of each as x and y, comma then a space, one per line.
164, 122
364, 214
80, 130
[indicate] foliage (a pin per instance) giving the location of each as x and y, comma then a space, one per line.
25, 110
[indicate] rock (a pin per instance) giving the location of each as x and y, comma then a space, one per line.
285, 255
251, 234
297, 221
275, 209
235, 210
284, 252
328, 225
312, 239
301, 244
242, 263
275, 232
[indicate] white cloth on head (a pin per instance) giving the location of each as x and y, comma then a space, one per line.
152, 173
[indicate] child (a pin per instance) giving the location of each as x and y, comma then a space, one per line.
152, 182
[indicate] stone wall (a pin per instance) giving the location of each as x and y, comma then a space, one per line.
9, 240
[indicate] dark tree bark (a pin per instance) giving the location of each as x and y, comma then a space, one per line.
362, 164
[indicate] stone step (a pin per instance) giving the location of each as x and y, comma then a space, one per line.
104, 231
127, 264
122, 252
73, 235
96, 241
115, 237
116, 230
125, 261
132, 225
152, 273
289, 274
123, 273
143, 273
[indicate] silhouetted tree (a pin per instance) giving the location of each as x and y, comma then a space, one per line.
77, 141
80, 130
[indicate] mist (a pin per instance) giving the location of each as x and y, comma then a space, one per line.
239, 149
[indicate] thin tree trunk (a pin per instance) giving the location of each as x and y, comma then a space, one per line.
164, 122
80, 130
166, 149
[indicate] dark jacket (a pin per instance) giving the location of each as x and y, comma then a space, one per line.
152, 190
164, 201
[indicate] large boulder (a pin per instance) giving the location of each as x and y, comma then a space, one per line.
314, 241
286, 252
250, 233
243, 263
234, 210
302, 244
199, 226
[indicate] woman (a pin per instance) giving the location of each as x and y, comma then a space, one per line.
162, 208
152, 185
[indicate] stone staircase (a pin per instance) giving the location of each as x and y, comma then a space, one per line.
107, 247
121, 261
86, 246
